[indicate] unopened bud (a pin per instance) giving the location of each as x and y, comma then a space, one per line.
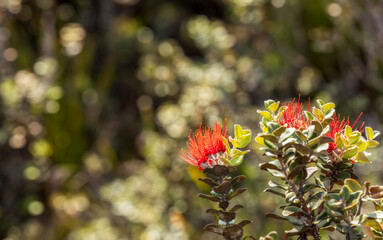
376, 189
377, 195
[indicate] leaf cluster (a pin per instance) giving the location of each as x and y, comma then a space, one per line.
317, 181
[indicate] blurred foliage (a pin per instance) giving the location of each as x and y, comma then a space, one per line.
98, 97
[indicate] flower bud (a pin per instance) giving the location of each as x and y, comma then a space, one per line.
376, 189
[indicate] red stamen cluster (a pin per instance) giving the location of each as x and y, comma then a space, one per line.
336, 126
203, 143
293, 116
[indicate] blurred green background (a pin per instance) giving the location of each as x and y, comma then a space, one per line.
98, 97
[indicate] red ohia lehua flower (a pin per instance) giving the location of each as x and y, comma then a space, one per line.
338, 126
206, 146
293, 115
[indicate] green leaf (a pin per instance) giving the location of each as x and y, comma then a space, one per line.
309, 115
244, 140
273, 107
276, 173
350, 152
345, 192
278, 185
292, 211
270, 145
329, 113
325, 139
300, 135
275, 216
270, 137
362, 145
236, 161
237, 131
353, 185
234, 141
315, 200
286, 134
354, 137
328, 106
361, 157
295, 171
318, 126
322, 148
369, 133
301, 149
277, 132
226, 143
239, 153
320, 102
265, 114
276, 191
348, 131
268, 103
376, 133
372, 143
272, 126
311, 171
260, 140
342, 175
313, 142
319, 183
318, 113
276, 165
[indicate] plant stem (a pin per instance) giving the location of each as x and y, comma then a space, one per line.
300, 194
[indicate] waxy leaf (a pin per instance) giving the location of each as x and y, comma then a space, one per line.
348, 131
279, 131
213, 228
208, 181
270, 165
236, 161
265, 114
223, 188
234, 141
272, 126
236, 193
238, 179
353, 185
273, 107
372, 143
244, 140
276, 173
350, 152
295, 172
318, 126
354, 137
361, 157
292, 211
268, 102
276, 191
328, 106
314, 141
237, 131
309, 115
211, 198
302, 149
286, 134
369, 133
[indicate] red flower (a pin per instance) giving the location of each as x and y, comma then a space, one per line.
205, 146
293, 116
337, 126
